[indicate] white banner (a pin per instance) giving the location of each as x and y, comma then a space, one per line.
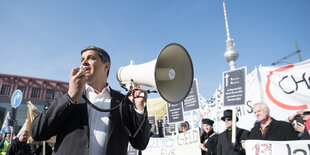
182, 144
261, 147
253, 95
286, 88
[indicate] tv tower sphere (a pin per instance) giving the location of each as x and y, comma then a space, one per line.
231, 53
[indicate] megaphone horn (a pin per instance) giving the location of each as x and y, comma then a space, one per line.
171, 74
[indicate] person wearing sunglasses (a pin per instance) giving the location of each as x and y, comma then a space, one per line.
224, 145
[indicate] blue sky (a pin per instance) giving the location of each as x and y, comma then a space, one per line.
44, 39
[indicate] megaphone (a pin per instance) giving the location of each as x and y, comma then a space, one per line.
171, 74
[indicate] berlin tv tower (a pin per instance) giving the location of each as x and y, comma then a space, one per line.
230, 55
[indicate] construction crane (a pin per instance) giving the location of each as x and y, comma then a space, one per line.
289, 55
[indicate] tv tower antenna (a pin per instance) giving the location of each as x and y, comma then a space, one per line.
231, 54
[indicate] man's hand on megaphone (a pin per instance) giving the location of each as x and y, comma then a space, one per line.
137, 97
77, 82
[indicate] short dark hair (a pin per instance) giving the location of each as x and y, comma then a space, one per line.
185, 123
105, 57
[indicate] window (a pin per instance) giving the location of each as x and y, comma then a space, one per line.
5, 90
49, 94
22, 88
35, 93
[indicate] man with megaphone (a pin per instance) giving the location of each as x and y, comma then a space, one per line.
105, 124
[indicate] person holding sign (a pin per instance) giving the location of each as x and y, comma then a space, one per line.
224, 145
208, 138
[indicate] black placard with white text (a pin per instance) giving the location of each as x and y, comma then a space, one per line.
175, 112
191, 102
234, 84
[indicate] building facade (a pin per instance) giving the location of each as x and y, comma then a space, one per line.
39, 91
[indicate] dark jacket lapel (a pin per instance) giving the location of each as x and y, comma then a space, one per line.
113, 114
84, 113
271, 128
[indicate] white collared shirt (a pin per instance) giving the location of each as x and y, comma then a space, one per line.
98, 121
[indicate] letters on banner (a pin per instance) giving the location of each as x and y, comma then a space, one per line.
286, 88
181, 144
263, 147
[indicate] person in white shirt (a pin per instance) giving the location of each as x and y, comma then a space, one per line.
78, 118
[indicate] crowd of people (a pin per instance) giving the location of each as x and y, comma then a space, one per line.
20, 145
212, 143
265, 128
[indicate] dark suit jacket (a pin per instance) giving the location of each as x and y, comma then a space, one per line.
69, 122
277, 130
224, 145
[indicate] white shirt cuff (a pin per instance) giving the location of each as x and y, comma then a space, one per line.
139, 111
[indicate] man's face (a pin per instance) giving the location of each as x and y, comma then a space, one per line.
184, 127
94, 68
207, 128
260, 113
23, 137
228, 122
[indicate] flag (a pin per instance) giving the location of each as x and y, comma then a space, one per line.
286, 89
33, 111
5, 126
23, 128
253, 95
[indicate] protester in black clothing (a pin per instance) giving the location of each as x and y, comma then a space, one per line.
208, 138
19, 145
224, 144
268, 128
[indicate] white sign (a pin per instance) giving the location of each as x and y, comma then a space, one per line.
263, 147
286, 88
182, 144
